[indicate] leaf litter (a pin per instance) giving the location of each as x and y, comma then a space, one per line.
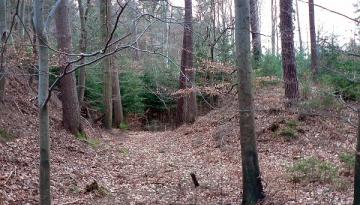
155, 167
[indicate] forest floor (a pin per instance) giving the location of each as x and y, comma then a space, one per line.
128, 167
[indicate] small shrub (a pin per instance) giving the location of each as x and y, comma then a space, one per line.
313, 170
94, 143
292, 124
322, 101
5, 136
290, 131
269, 65
348, 159
124, 151
124, 126
288, 134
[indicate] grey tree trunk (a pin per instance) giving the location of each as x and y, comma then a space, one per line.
69, 97
252, 187
273, 27
116, 95
22, 17
255, 29
45, 197
299, 27
314, 55
83, 48
117, 104
3, 33
105, 20
291, 83
357, 166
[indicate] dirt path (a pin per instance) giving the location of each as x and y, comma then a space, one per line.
154, 168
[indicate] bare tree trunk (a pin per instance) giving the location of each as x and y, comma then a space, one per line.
252, 187
255, 29
22, 18
83, 48
299, 27
189, 65
314, 55
44, 186
117, 104
357, 166
69, 97
4, 33
277, 27
288, 52
273, 26
105, 19
133, 15
187, 106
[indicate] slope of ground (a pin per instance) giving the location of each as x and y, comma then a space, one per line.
154, 168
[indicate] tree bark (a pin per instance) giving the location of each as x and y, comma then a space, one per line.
117, 104
83, 48
69, 97
105, 20
357, 166
252, 187
44, 186
273, 27
288, 52
3, 36
314, 55
255, 29
187, 106
299, 27
22, 17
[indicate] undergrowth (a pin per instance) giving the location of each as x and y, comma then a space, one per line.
311, 170
5, 136
94, 143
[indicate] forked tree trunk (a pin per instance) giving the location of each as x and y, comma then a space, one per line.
105, 20
255, 29
314, 55
187, 106
3, 36
44, 186
252, 187
357, 166
69, 97
288, 52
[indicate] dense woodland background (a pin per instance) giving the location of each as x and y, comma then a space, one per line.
144, 102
